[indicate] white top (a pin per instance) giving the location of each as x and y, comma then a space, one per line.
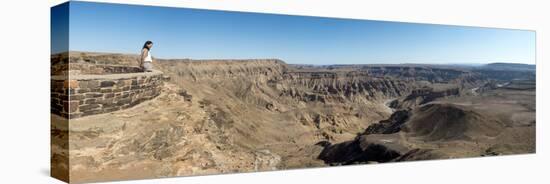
148, 58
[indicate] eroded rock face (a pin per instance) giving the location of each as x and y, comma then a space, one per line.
324, 87
435, 121
429, 73
167, 136
335, 87
438, 121
390, 125
422, 96
258, 70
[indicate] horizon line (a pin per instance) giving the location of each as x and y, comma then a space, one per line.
391, 63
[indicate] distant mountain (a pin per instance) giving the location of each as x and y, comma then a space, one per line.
509, 66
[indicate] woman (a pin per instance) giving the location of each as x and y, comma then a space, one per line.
146, 58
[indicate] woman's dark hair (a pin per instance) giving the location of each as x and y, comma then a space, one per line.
147, 43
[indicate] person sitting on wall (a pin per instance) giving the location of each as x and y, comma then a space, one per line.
146, 58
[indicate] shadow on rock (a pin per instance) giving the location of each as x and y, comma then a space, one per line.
356, 152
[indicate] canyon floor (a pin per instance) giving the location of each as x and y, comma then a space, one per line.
221, 116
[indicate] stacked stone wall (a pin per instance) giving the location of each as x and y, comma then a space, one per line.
83, 95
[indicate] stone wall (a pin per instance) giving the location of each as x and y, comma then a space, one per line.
94, 69
84, 95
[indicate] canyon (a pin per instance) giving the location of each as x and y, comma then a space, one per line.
227, 116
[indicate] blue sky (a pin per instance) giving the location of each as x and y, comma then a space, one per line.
209, 34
